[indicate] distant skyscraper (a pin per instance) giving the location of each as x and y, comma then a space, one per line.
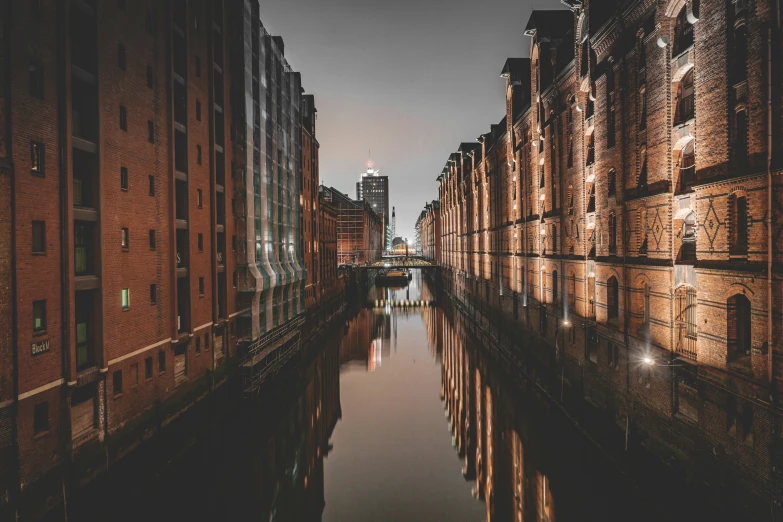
374, 189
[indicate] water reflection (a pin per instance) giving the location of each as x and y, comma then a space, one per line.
356, 432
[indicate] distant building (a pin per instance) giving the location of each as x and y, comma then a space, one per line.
373, 188
430, 232
331, 284
310, 196
359, 229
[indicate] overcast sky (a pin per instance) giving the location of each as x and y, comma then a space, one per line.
407, 79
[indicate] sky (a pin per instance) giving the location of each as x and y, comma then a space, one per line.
401, 82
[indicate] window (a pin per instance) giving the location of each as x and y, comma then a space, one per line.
234, 243
198, 154
685, 98
739, 229
612, 298
148, 368
686, 321
206, 341
683, 33
121, 58
612, 234
590, 149
150, 131
200, 239
37, 158
613, 355
572, 290
201, 286
150, 77
36, 80
124, 178
152, 240
123, 118
738, 326
643, 108
39, 237
198, 345
641, 183
740, 66
125, 298
152, 184
117, 383
740, 135
646, 303
39, 316
125, 238
41, 418
198, 67
610, 128
555, 285
687, 166
161, 361
199, 200
198, 110
153, 294
611, 183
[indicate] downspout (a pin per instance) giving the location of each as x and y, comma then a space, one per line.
770, 358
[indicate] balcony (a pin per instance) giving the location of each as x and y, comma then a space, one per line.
84, 249
85, 190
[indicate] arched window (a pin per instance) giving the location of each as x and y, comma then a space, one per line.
572, 291
738, 326
612, 234
612, 298
646, 303
685, 98
687, 165
590, 149
688, 252
740, 66
554, 286
685, 297
642, 180
738, 234
683, 33
611, 182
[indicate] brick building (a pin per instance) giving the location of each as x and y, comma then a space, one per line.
129, 166
360, 230
429, 229
330, 279
310, 195
628, 204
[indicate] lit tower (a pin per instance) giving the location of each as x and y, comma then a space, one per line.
393, 224
373, 188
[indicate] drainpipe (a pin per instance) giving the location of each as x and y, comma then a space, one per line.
770, 371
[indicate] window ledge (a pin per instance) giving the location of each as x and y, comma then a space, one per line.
117, 396
40, 333
41, 434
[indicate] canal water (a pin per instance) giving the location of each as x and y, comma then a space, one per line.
394, 416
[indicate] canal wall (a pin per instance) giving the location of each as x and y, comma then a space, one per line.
669, 412
92, 460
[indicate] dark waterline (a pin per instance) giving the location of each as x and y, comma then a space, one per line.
395, 416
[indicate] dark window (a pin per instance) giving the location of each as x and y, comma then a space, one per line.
161, 361
200, 241
198, 344
612, 298
153, 294
39, 316
612, 234
590, 149
201, 286
739, 229
152, 240
150, 77
234, 243
125, 237
740, 54
198, 154
740, 135
685, 98
198, 110
199, 200
152, 185
555, 284
738, 326
198, 67
36, 80
646, 303
683, 32
37, 158
121, 58
124, 178
41, 418
687, 166
150, 131
117, 380
611, 183
123, 118
39, 237
148, 368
